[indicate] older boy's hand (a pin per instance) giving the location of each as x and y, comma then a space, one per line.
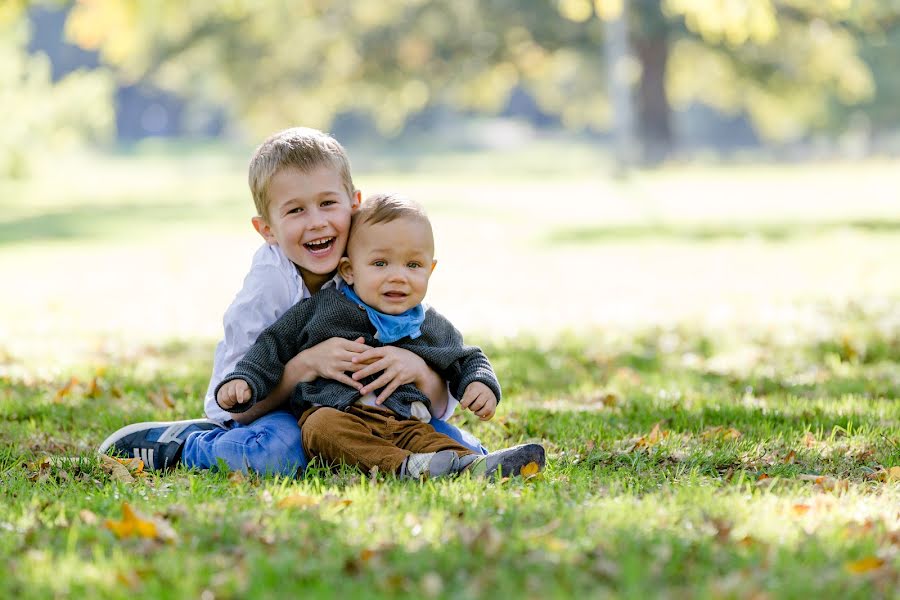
331, 359
396, 365
480, 400
234, 392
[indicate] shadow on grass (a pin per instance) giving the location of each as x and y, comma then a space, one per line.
770, 232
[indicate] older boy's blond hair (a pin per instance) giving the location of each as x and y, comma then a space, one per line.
301, 148
386, 207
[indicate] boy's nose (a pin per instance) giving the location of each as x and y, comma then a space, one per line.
316, 220
397, 275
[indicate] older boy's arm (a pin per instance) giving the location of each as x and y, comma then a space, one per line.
263, 366
322, 360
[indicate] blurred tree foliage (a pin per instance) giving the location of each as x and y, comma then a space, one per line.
784, 63
41, 115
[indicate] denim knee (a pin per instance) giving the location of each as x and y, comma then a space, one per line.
275, 453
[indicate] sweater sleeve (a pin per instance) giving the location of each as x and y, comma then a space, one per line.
441, 346
263, 365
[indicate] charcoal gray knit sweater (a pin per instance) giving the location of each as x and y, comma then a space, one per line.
330, 314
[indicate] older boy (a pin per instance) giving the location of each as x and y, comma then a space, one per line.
304, 195
390, 258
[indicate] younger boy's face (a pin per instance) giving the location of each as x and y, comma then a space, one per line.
389, 264
309, 219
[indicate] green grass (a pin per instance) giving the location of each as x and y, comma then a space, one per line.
748, 315
686, 516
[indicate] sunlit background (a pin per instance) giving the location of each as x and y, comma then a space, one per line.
604, 166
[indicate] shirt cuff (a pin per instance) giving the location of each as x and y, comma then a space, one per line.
452, 403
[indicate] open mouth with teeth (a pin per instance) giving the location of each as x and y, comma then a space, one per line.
319, 246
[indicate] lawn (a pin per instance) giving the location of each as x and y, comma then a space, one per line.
710, 356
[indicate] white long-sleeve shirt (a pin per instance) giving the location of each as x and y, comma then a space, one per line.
272, 286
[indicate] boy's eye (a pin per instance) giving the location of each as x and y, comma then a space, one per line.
380, 263
413, 265
295, 210
328, 202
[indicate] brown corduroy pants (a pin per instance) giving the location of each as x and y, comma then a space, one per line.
369, 436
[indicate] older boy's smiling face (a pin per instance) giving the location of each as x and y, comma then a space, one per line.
389, 264
309, 219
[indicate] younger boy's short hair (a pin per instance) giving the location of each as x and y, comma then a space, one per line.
386, 207
301, 148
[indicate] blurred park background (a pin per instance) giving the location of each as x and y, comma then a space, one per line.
591, 166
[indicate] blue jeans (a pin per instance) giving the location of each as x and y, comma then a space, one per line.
272, 445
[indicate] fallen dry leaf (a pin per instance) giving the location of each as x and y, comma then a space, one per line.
297, 501
800, 509
864, 565
134, 524
720, 433
117, 471
608, 399
65, 390
826, 483
162, 400
93, 390
135, 466
893, 474
530, 470
237, 478
655, 436
789, 459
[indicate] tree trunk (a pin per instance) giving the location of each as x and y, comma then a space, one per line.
654, 114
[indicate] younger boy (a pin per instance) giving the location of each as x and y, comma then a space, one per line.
304, 196
390, 258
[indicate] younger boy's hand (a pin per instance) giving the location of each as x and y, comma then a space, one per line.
480, 400
234, 392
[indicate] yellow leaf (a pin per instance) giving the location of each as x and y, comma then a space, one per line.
651, 439
65, 390
135, 466
93, 390
162, 399
720, 432
115, 468
801, 509
893, 474
131, 525
864, 565
530, 470
297, 501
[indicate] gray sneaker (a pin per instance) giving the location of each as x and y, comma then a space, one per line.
505, 463
157, 443
430, 464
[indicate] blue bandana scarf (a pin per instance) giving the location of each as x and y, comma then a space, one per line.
390, 328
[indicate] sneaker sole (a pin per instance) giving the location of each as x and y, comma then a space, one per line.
129, 429
512, 464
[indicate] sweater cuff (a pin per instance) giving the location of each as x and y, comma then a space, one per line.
491, 382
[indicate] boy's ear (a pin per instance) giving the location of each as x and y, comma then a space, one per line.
355, 200
433, 265
346, 270
264, 229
